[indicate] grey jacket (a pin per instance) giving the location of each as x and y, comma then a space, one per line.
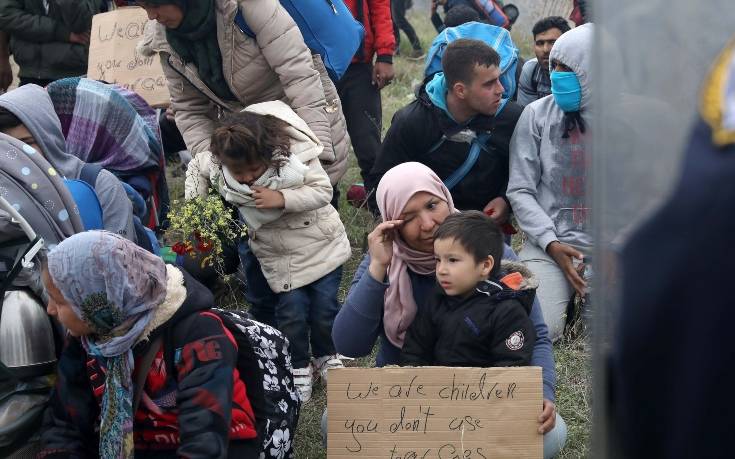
32, 105
547, 185
534, 83
39, 39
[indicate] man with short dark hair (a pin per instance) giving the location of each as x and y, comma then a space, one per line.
534, 82
456, 110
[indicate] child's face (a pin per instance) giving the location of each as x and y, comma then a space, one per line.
243, 172
456, 269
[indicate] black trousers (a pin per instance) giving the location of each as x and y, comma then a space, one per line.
363, 111
171, 137
398, 11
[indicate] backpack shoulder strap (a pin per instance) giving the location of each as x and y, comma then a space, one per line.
478, 144
145, 366
89, 173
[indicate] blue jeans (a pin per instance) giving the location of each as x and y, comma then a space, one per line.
311, 308
258, 293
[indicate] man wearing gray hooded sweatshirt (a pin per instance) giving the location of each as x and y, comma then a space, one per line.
548, 171
34, 121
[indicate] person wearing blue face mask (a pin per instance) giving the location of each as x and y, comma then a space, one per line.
548, 172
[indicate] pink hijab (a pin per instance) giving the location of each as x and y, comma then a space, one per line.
395, 189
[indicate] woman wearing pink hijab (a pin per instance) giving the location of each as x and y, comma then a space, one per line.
397, 275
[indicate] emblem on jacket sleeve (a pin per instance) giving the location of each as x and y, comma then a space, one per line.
515, 341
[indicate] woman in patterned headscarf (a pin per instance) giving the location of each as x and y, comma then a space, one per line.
116, 301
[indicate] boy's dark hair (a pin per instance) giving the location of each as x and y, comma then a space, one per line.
477, 233
460, 14
251, 138
462, 55
551, 22
8, 120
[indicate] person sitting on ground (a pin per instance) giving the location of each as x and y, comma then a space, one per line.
548, 172
116, 301
27, 114
535, 82
397, 276
452, 112
478, 316
270, 170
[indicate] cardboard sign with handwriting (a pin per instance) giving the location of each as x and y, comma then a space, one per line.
434, 413
114, 59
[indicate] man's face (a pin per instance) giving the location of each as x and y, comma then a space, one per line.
542, 45
22, 133
484, 93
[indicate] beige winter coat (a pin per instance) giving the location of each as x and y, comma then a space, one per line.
275, 65
308, 241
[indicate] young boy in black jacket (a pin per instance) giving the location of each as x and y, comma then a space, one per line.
478, 316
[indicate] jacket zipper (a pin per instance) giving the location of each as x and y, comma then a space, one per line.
220, 108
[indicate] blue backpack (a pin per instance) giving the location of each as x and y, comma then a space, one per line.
497, 37
90, 210
86, 198
328, 28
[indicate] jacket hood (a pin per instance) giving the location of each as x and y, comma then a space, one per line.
574, 49
436, 90
198, 298
298, 129
33, 106
514, 281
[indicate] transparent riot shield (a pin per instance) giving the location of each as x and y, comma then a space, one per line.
651, 59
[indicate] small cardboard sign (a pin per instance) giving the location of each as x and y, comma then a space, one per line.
434, 413
113, 56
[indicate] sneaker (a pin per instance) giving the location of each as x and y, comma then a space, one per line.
303, 381
323, 364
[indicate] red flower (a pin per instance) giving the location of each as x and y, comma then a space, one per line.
180, 248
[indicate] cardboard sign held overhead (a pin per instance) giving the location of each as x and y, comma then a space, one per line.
434, 413
114, 59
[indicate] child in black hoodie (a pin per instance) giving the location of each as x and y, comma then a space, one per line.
479, 315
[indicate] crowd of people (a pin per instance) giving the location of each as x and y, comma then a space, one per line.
146, 368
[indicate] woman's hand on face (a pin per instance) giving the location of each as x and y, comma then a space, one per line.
380, 247
265, 198
547, 420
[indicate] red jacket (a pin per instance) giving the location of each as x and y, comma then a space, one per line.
375, 17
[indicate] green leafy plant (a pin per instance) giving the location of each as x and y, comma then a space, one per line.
203, 226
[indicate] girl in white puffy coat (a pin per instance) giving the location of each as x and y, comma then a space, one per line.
268, 166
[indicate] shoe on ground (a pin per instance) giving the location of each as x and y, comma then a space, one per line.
303, 380
323, 364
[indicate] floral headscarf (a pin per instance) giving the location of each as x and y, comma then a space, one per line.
114, 286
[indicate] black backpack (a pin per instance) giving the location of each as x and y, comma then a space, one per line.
264, 364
